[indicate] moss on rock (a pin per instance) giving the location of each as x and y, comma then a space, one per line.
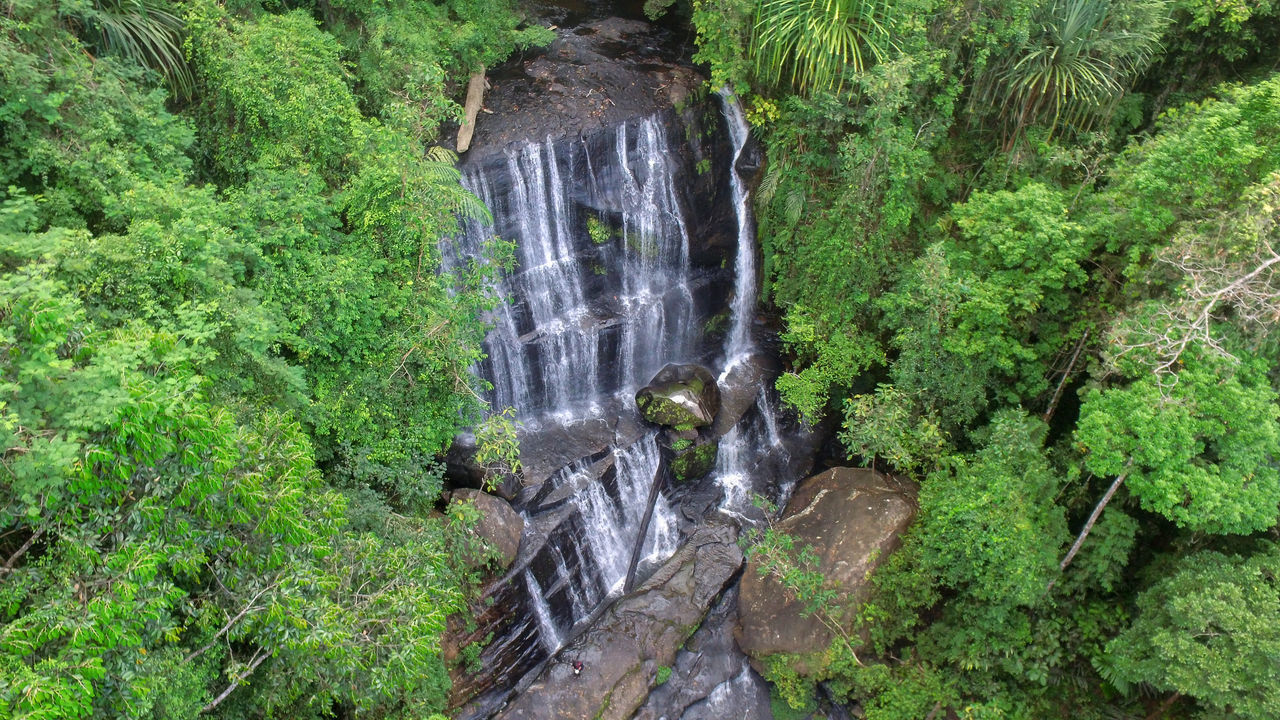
694, 462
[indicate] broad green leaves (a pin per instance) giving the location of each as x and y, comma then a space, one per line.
1199, 451
181, 341
987, 538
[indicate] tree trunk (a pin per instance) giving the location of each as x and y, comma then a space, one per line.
471, 108
644, 527
1088, 526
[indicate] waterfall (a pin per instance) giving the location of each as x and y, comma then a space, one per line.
744, 288
601, 297
613, 524
742, 448
562, 346
622, 243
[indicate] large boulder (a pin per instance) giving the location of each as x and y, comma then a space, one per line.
680, 396
639, 634
740, 389
852, 518
500, 526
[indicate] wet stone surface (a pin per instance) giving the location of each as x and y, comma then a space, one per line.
592, 76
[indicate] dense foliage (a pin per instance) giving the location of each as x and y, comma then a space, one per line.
1026, 252
229, 360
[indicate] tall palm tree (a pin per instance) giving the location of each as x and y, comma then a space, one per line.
812, 42
144, 31
1078, 60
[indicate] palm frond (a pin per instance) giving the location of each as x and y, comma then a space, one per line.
1075, 65
442, 154
812, 42
144, 31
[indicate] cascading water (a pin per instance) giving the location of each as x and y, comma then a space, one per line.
607, 289
602, 296
739, 342
548, 346
747, 442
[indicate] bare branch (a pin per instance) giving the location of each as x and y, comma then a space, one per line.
1230, 268
230, 623
1088, 525
1066, 375
258, 657
17, 555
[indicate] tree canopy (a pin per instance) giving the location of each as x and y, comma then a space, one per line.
229, 360
1051, 208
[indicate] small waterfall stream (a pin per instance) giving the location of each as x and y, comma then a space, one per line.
739, 342
608, 288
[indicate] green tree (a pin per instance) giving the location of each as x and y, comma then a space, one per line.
1071, 69
1230, 29
1223, 274
1201, 161
223, 382
987, 537
983, 312
1198, 450
1210, 631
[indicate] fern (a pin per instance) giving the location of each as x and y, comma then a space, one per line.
440, 169
793, 205
770, 182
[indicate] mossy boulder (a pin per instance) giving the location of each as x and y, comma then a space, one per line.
693, 460
680, 396
499, 525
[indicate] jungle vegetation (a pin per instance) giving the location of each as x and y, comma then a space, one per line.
1027, 253
229, 365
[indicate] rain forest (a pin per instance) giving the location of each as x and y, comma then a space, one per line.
640, 359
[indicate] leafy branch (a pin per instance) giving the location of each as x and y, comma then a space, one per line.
801, 581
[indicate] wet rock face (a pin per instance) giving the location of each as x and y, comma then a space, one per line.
499, 526
711, 679
853, 519
680, 396
592, 76
622, 652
